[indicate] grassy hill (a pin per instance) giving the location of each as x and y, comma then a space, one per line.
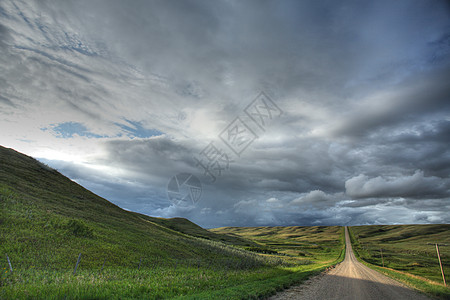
313, 243
187, 227
47, 220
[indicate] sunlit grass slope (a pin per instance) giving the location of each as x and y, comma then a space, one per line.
47, 220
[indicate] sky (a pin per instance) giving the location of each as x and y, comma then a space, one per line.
263, 113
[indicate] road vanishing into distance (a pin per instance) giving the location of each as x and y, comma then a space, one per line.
350, 280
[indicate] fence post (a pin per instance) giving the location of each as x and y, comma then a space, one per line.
76, 266
103, 265
9, 263
440, 264
139, 267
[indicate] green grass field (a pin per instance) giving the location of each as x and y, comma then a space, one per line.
46, 220
407, 250
307, 244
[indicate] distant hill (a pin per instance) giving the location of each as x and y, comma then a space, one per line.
47, 219
187, 227
290, 240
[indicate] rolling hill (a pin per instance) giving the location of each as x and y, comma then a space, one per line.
47, 220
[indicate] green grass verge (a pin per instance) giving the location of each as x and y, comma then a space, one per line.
295, 275
257, 290
417, 282
265, 288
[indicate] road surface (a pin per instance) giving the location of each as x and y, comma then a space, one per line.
350, 280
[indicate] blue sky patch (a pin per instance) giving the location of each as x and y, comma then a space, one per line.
136, 130
68, 129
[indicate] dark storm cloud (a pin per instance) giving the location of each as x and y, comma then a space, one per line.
274, 44
416, 186
413, 99
157, 157
6, 101
301, 168
422, 145
5, 36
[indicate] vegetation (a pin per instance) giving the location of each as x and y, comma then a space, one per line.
261, 250
47, 220
408, 253
300, 244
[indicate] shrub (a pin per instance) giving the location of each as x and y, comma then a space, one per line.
79, 228
261, 250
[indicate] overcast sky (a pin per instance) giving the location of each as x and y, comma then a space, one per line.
120, 96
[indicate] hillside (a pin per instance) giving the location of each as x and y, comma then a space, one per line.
47, 220
187, 227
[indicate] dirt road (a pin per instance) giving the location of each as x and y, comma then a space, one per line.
350, 280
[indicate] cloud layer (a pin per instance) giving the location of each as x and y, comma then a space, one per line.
122, 96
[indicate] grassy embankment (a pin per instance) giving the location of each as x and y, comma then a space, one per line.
46, 220
409, 253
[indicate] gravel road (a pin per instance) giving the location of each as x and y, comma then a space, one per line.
350, 280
